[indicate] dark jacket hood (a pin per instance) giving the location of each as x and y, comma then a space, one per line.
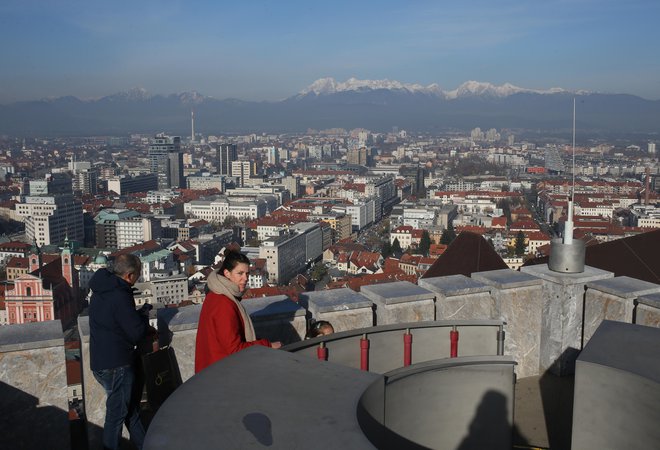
104, 281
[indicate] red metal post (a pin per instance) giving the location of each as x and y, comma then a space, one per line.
322, 352
407, 348
453, 338
364, 353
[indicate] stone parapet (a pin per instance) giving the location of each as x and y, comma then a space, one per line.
93, 391
518, 301
613, 299
460, 298
647, 310
344, 308
400, 302
177, 327
277, 318
33, 387
561, 328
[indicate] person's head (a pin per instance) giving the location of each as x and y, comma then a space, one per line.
319, 328
236, 268
127, 267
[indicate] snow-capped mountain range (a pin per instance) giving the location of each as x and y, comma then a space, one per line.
326, 103
329, 86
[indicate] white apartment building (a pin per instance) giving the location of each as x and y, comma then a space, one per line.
50, 219
206, 181
313, 239
242, 170
362, 214
161, 196
419, 217
404, 235
268, 231
167, 291
603, 210
285, 256
133, 230
159, 264
219, 209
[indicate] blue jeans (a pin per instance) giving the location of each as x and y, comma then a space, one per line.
121, 407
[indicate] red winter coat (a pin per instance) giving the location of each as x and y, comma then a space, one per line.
221, 331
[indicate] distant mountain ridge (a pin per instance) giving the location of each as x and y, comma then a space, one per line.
328, 86
326, 103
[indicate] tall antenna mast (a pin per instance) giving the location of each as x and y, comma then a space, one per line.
568, 228
568, 256
192, 125
573, 170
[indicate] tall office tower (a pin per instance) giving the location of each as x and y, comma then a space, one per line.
50, 211
242, 170
357, 156
50, 219
651, 148
52, 184
273, 156
176, 178
86, 181
225, 155
160, 160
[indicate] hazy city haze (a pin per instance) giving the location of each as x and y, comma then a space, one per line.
264, 50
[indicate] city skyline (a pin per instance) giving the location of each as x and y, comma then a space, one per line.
267, 51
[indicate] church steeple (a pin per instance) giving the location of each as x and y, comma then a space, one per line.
67, 261
34, 258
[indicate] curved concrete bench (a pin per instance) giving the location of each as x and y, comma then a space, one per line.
261, 397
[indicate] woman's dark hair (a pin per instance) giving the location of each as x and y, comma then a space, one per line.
316, 327
232, 259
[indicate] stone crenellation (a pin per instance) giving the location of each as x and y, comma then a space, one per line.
542, 310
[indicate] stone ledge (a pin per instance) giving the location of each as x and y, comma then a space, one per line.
652, 300
273, 307
624, 287
334, 300
506, 279
453, 285
30, 336
590, 274
396, 292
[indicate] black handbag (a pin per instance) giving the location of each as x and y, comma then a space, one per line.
162, 375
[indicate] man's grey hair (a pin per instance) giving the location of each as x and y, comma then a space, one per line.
126, 264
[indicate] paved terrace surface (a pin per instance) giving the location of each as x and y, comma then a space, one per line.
543, 412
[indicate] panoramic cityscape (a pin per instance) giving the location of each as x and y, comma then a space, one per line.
391, 176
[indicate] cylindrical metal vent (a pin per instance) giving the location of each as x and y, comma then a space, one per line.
567, 258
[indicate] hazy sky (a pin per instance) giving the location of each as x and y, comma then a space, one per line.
267, 50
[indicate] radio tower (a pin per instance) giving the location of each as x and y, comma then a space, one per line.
192, 125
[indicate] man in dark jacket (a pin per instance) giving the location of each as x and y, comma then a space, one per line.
115, 328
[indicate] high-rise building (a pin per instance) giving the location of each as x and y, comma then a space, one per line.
242, 170
52, 184
166, 160
50, 219
357, 156
86, 181
225, 155
176, 178
106, 226
51, 213
651, 148
139, 183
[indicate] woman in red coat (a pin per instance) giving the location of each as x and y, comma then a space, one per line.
224, 325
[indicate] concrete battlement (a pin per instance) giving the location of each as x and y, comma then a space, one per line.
542, 313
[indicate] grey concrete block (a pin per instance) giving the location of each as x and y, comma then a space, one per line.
400, 302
